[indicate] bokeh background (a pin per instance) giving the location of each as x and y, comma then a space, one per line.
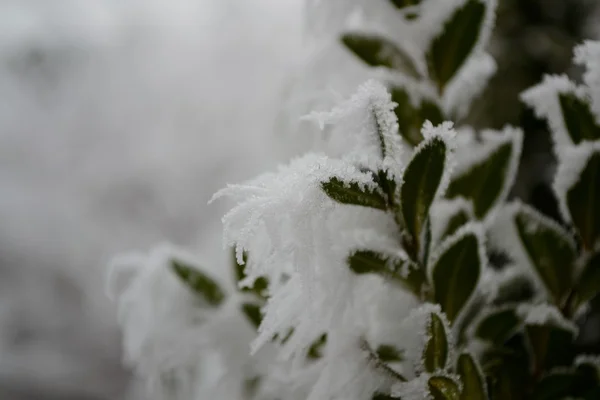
120, 118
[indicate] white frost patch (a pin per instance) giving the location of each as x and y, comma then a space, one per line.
367, 125
588, 55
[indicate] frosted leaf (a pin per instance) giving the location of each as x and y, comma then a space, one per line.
446, 132
349, 373
544, 99
442, 213
160, 319
570, 167
468, 84
472, 156
592, 359
414, 389
282, 205
368, 124
545, 314
588, 54
505, 236
470, 228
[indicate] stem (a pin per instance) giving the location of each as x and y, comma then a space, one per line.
374, 358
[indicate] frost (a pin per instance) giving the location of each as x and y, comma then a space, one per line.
544, 99
369, 113
415, 389
588, 54
545, 314
569, 170
160, 320
468, 84
445, 132
442, 212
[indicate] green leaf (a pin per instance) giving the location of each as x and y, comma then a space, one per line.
198, 282
378, 51
583, 199
554, 386
456, 272
371, 262
484, 182
260, 284
443, 388
352, 193
449, 51
580, 121
315, 351
588, 284
411, 118
471, 378
389, 353
422, 178
253, 313
497, 326
549, 249
551, 345
435, 353
508, 367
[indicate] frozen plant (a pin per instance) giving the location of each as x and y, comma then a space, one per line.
365, 272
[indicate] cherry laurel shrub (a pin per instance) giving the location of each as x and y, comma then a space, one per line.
369, 271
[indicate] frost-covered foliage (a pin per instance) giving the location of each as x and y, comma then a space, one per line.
367, 268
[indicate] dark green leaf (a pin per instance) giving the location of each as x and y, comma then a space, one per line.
517, 289
443, 388
497, 326
551, 345
316, 349
411, 118
456, 273
588, 285
389, 353
260, 285
253, 313
484, 182
378, 51
352, 193
554, 386
509, 368
583, 199
471, 378
371, 262
422, 177
579, 119
549, 250
449, 51
435, 353
198, 282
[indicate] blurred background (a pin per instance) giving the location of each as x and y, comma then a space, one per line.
120, 118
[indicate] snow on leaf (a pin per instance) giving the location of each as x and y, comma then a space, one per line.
468, 84
544, 98
367, 121
447, 216
487, 170
577, 187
